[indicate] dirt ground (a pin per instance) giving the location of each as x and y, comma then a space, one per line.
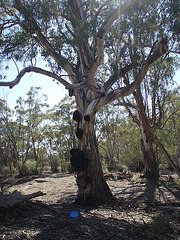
143, 211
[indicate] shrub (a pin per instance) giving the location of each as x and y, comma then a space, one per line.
54, 163
30, 167
68, 168
117, 167
5, 171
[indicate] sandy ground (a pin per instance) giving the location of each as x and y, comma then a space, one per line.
59, 188
143, 212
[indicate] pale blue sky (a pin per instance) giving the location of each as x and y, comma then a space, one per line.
49, 87
54, 91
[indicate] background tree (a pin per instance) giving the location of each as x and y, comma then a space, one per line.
60, 134
118, 139
22, 132
136, 37
5, 143
12, 133
168, 134
35, 116
107, 126
148, 110
70, 36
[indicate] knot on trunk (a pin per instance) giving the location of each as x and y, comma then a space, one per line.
87, 118
71, 92
77, 116
78, 160
79, 133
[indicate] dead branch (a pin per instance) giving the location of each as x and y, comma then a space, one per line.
9, 200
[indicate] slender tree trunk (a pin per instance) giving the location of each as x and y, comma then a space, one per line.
147, 132
92, 187
173, 164
35, 154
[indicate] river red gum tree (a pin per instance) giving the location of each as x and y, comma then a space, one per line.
71, 35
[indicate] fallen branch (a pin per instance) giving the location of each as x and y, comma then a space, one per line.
16, 197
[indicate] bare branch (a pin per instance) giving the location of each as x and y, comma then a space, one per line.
169, 159
15, 65
16, 197
171, 51
82, 13
133, 116
36, 70
77, 11
91, 3
67, 85
169, 117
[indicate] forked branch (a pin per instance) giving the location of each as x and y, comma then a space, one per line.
127, 90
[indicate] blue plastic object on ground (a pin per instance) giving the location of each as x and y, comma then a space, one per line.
74, 214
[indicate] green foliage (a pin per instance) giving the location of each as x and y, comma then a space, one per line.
53, 134
163, 165
57, 32
137, 30
117, 167
119, 139
30, 167
54, 163
5, 171
169, 133
67, 168
57, 23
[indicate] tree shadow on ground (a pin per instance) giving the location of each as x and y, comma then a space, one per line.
174, 190
152, 192
137, 193
148, 194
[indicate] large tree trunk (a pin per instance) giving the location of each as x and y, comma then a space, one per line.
151, 165
92, 187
